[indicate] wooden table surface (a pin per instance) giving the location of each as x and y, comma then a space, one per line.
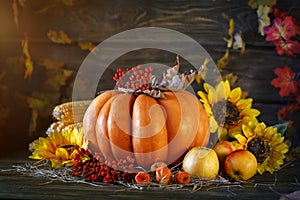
17, 185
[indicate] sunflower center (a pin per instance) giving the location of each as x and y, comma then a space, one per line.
260, 149
230, 112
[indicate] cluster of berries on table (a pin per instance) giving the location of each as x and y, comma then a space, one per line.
97, 169
136, 78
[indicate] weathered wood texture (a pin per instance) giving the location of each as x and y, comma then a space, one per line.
14, 185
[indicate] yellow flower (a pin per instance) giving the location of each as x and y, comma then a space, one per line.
265, 143
226, 109
59, 148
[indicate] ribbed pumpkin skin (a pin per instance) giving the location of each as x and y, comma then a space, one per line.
119, 125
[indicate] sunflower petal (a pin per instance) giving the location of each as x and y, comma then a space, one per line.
241, 139
213, 124
235, 95
203, 96
227, 89
220, 91
244, 103
247, 131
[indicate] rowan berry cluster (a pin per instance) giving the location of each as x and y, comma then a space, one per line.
136, 78
96, 169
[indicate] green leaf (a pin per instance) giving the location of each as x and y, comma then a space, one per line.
255, 3
281, 128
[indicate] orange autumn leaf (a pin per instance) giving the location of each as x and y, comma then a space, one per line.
59, 37
28, 62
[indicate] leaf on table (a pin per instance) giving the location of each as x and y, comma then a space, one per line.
51, 64
28, 62
239, 43
59, 37
255, 3
223, 61
86, 46
263, 18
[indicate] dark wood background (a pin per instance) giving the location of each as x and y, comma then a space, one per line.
94, 21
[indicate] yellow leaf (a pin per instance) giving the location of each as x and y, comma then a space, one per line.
59, 37
28, 62
86, 46
230, 33
231, 26
223, 61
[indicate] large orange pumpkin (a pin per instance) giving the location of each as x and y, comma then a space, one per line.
151, 129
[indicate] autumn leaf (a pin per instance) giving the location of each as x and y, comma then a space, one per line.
51, 64
255, 3
28, 62
263, 18
223, 61
56, 79
231, 77
285, 81
59, 37
230, 33
239, 43
86, 46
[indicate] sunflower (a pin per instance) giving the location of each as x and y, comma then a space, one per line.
266, 144
226, 109
59, 148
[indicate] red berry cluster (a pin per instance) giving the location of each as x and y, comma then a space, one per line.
98, 170
136, 78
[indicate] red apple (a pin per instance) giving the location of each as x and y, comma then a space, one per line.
240, 165
223, 149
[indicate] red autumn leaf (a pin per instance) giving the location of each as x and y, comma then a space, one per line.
285, 81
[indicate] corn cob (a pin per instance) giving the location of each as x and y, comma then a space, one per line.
62, 127
71, 112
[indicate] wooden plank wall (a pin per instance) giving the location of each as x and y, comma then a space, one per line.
206, 21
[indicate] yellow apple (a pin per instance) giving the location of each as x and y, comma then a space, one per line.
201, 162
223, 149
240, 165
